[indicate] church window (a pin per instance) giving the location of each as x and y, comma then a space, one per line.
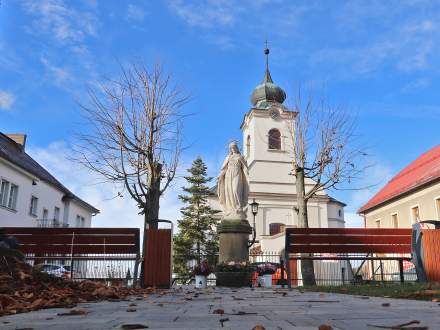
275, 228
248, 145
274, 139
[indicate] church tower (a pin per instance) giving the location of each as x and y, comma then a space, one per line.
268, 138
268, 149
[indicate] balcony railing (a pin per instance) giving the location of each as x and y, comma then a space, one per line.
51, 223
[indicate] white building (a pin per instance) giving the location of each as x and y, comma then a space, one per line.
268, 150
30, 196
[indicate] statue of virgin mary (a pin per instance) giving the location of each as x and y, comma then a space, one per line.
233, 187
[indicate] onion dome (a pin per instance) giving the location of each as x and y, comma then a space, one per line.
267, 92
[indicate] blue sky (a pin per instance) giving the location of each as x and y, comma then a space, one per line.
378, 59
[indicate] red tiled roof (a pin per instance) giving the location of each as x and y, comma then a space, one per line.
424, 169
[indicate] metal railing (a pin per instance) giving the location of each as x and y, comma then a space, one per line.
51, 223
111, 268
355, 269
331, 269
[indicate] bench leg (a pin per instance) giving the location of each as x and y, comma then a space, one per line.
402, 277
289, 278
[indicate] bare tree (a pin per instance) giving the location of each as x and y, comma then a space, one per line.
325, 157
134, 139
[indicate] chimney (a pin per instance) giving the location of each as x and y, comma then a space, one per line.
20, 139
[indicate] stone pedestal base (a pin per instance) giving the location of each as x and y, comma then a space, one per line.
233, 279
234, 237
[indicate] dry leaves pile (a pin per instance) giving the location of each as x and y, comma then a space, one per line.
24, 289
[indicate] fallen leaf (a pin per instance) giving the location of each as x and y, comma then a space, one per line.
431, 292
325, 327
219, 311
75, 311
258, 327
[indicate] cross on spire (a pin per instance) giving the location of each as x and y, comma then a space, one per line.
267, 77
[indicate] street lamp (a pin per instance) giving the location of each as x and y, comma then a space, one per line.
254, 209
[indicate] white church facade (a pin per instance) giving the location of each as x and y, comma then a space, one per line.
268, 149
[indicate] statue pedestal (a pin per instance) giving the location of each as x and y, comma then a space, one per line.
234, 238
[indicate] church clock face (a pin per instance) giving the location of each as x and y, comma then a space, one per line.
274, 114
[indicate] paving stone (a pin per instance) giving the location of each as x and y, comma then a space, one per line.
187, 308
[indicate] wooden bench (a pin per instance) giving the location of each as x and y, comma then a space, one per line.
78, 243
347, 244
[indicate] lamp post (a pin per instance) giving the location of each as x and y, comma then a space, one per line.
254, 209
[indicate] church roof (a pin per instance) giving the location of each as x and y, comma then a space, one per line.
267, 91
421, 171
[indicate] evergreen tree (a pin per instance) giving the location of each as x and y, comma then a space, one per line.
197, 238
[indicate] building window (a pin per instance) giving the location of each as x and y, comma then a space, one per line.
34, 206
340, 213
415, 214
56, 214
45, 214
394, 220
248, 145
437, 203
8, 194
378, 223
80, 221
4, 193
274, 139
276, 228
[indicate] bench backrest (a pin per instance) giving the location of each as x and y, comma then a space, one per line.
76, 240
348, 240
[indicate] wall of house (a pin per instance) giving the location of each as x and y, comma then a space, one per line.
77, 210
425, 199
20, 216
48, 196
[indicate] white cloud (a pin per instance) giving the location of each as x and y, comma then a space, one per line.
60, 21
135, 13
7, 99
417, 84
60, 74
114, 211
206, 14
366, 36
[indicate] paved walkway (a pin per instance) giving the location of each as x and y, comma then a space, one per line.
243, 309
